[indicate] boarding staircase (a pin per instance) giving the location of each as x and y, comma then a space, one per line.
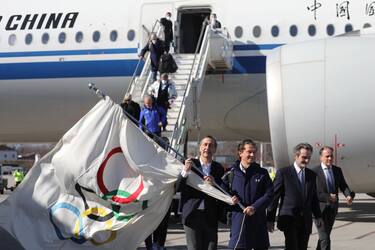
214, 50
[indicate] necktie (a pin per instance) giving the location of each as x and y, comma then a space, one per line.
301, 176
331, 187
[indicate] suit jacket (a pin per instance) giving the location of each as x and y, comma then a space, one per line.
156, 51
168, 29
322, 189
192, 198
294, 204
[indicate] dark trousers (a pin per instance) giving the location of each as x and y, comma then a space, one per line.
154, 75
200, 235
251, 248
296, 235
324, 231
160, 234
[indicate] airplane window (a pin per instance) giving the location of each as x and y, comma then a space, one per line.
238, 31
275, 31
96, 36
348, 28
330, 29
311, 30
62, 37
113, 35
257, 31
79, 37
28, 39
293, 30
366, 25
131, 35
12, 40
45, 38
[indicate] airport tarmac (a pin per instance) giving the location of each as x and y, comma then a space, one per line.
354, 229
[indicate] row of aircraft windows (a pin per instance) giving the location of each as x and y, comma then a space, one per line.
238, 32
96, 36
293, 30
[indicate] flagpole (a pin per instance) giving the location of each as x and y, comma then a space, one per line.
165, 145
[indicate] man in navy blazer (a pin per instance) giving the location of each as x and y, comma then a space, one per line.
252, 186
329, 180
200, 212
295, 187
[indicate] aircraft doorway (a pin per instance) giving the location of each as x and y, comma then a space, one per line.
189, 26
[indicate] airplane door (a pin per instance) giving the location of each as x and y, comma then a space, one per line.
150, 12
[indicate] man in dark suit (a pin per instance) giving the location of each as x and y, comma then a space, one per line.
168, 30
156, 48
295, 187
329, 180
200, 212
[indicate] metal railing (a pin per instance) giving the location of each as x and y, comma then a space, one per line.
146, 66
197, 69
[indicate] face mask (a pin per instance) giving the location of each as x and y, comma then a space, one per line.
168, 17
153, 41
163, 81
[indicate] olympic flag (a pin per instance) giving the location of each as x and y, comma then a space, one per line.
104, 186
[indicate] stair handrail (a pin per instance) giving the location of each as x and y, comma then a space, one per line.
147, 81
205, 30
132, 81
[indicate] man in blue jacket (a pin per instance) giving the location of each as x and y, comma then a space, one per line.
251, 185
152, 117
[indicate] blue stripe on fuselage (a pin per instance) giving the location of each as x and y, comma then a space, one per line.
108, 68
40, 70
69, 52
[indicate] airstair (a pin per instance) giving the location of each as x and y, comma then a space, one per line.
214, 50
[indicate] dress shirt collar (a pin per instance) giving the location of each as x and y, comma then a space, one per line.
242, 168
324, 166
205, 165
297, 168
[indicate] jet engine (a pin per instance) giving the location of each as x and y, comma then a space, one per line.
323, 92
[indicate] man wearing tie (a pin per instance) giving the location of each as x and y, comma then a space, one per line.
295, 187
329, 179
200, 212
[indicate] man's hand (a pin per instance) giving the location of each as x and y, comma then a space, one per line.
271, 226
141, 57
349, 200
188, 165
249, 211
160, 124
209, 179
333, 198
235, 200
319, 222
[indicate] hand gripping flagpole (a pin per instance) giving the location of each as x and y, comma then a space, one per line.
98, 92
160, 140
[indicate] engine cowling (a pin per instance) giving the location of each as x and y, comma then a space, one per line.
321, 90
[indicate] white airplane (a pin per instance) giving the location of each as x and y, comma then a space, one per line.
50, 51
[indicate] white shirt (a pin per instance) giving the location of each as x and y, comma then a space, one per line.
206, 168
242, 168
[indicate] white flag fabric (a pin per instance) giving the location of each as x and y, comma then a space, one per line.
104, 186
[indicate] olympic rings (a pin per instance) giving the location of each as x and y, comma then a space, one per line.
115, 195
109, 223
79, 225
